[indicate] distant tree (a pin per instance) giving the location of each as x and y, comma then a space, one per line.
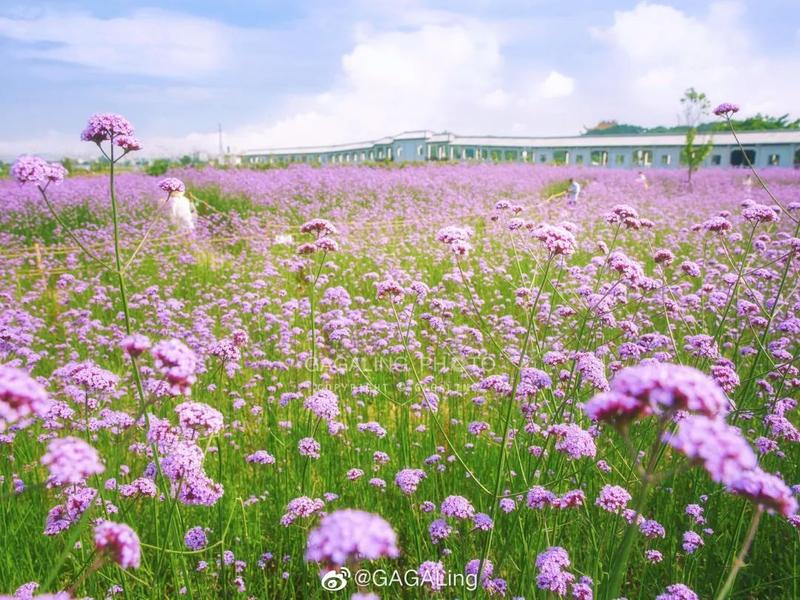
68, 164
158, 167
759, 122
186, 160
100, 165
613, 128
4, 169
695, 106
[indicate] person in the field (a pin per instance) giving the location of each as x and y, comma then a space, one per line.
182, 212
573, 191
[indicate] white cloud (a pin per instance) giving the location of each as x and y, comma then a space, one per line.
434, 76
556, 85
658, 51
448, 75
148, 42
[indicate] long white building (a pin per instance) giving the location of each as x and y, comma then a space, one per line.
775, 148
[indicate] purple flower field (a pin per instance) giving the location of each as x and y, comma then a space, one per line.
435, 369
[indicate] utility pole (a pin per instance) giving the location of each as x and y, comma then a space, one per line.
221, 153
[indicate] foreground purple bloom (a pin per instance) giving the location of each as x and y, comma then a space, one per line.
196, 539
30, 169
720, 448
20, 397
320, 227
677, 591
120, 542
457, 507
408, 480
324, 404
657, 388
172, 185
766, 490
71, 461
105, 126
557, 240
552, 576
726, 109
432, 574
613, 498
135, 344
350, 536
177, 363
301, 507
199, 419
309, 447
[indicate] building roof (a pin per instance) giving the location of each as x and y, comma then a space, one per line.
591, 141
577, 141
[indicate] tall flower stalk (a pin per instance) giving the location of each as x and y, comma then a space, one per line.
510, 403
118, 132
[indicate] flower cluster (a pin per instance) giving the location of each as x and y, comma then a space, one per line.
71, 461
177, 363
118, 541
20, 397
656, 389
348, 535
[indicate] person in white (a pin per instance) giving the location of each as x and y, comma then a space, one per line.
182, 212
573, 191
643, 180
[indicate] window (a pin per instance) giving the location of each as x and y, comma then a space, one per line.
716, 159
643, 158
599, 158
398, 152
774, 160
511, 155
420, 150
666, 159
543, 158
739, 158
579, 159
560, 157
470, 152
620, 159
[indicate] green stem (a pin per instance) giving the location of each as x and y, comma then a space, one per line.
619, 563
739, 562
71, 233
501, 462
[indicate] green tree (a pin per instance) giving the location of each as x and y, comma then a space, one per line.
695, 106
69, 165
158, 167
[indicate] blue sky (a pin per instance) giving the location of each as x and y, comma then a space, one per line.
314, 72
